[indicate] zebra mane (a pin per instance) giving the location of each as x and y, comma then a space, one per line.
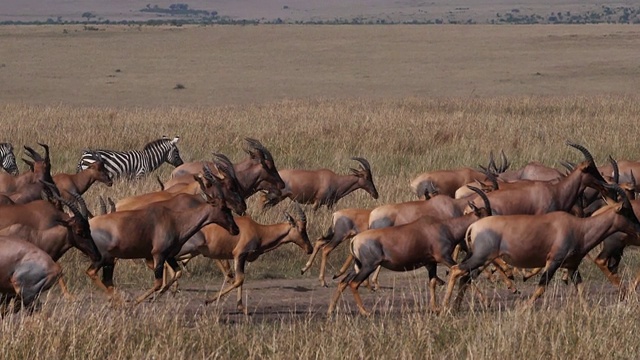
156, 143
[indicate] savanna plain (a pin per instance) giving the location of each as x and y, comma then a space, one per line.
407, 98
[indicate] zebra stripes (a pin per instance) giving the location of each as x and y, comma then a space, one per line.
135, 164
8, 159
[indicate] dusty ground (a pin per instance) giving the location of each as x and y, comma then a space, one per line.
277, 299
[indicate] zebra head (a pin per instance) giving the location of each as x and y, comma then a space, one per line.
8, 159
173, 156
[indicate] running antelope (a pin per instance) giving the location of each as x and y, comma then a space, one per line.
79, 183
554, 240
322, 186
422, 243
25, 273
345, 224
253, 240
155, 233
257, 172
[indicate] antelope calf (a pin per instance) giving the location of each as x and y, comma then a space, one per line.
345, 224
25, 273
252, 241
322, 186
554, 240
421, 243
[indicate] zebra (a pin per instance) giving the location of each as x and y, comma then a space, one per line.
135, 164
8, 159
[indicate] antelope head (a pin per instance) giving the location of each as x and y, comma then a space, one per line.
298, 233
588, 168
261, 155
227, 180
214, 196
365, 176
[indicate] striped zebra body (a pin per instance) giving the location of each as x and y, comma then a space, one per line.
8, 159
135, 164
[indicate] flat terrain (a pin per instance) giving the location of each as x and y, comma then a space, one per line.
220, 65
407, 98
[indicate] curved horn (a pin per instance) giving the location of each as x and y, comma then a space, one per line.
484, 197
103, 205
73, 208
112, 204
46, 151
587, 155
633, 178
568, 165
616, 170
494, 180
223, 163
492, 163
299, 212
84, 211
160, 183
504, 162
363, 162
32, 153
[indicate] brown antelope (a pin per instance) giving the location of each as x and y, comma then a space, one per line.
29, 186
532, 171
226, 179
252, 241
422, 243
626, 170
42, 224
155, 233
539, 197
257, 172
345, 224
554, 240
25, 273
322, 186
79, 183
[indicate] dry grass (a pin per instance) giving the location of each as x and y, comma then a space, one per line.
57, 94
401, 138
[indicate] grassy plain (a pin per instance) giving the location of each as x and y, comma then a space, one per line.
416, 111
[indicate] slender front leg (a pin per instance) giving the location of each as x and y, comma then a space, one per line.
238, 281
433, 282
550, 269
316, 247
158, 273
344, 267
65, 291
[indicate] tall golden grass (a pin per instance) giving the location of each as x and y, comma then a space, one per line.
400, 138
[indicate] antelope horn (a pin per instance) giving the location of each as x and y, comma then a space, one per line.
103, 205
633, 179
300, 213
568, 165
221, 159
492, 162
484, 197
112, 204
587, 155
160, 183
363, 162
616, 170
33, 154
46, 151
504, 162
84, 210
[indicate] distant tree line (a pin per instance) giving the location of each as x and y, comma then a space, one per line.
180, 14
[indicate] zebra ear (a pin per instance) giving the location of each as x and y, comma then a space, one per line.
175, 140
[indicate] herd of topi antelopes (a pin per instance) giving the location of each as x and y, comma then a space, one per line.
535, 218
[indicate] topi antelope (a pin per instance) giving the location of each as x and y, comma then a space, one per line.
252, 241
345, 224
554, 240
422, 243
29, 186
79, 183
255, 173
25, 273
42, 224
322, 186
155, 233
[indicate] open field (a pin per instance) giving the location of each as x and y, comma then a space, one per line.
416, 99
140, 66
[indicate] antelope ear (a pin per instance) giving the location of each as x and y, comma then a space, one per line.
473, 207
